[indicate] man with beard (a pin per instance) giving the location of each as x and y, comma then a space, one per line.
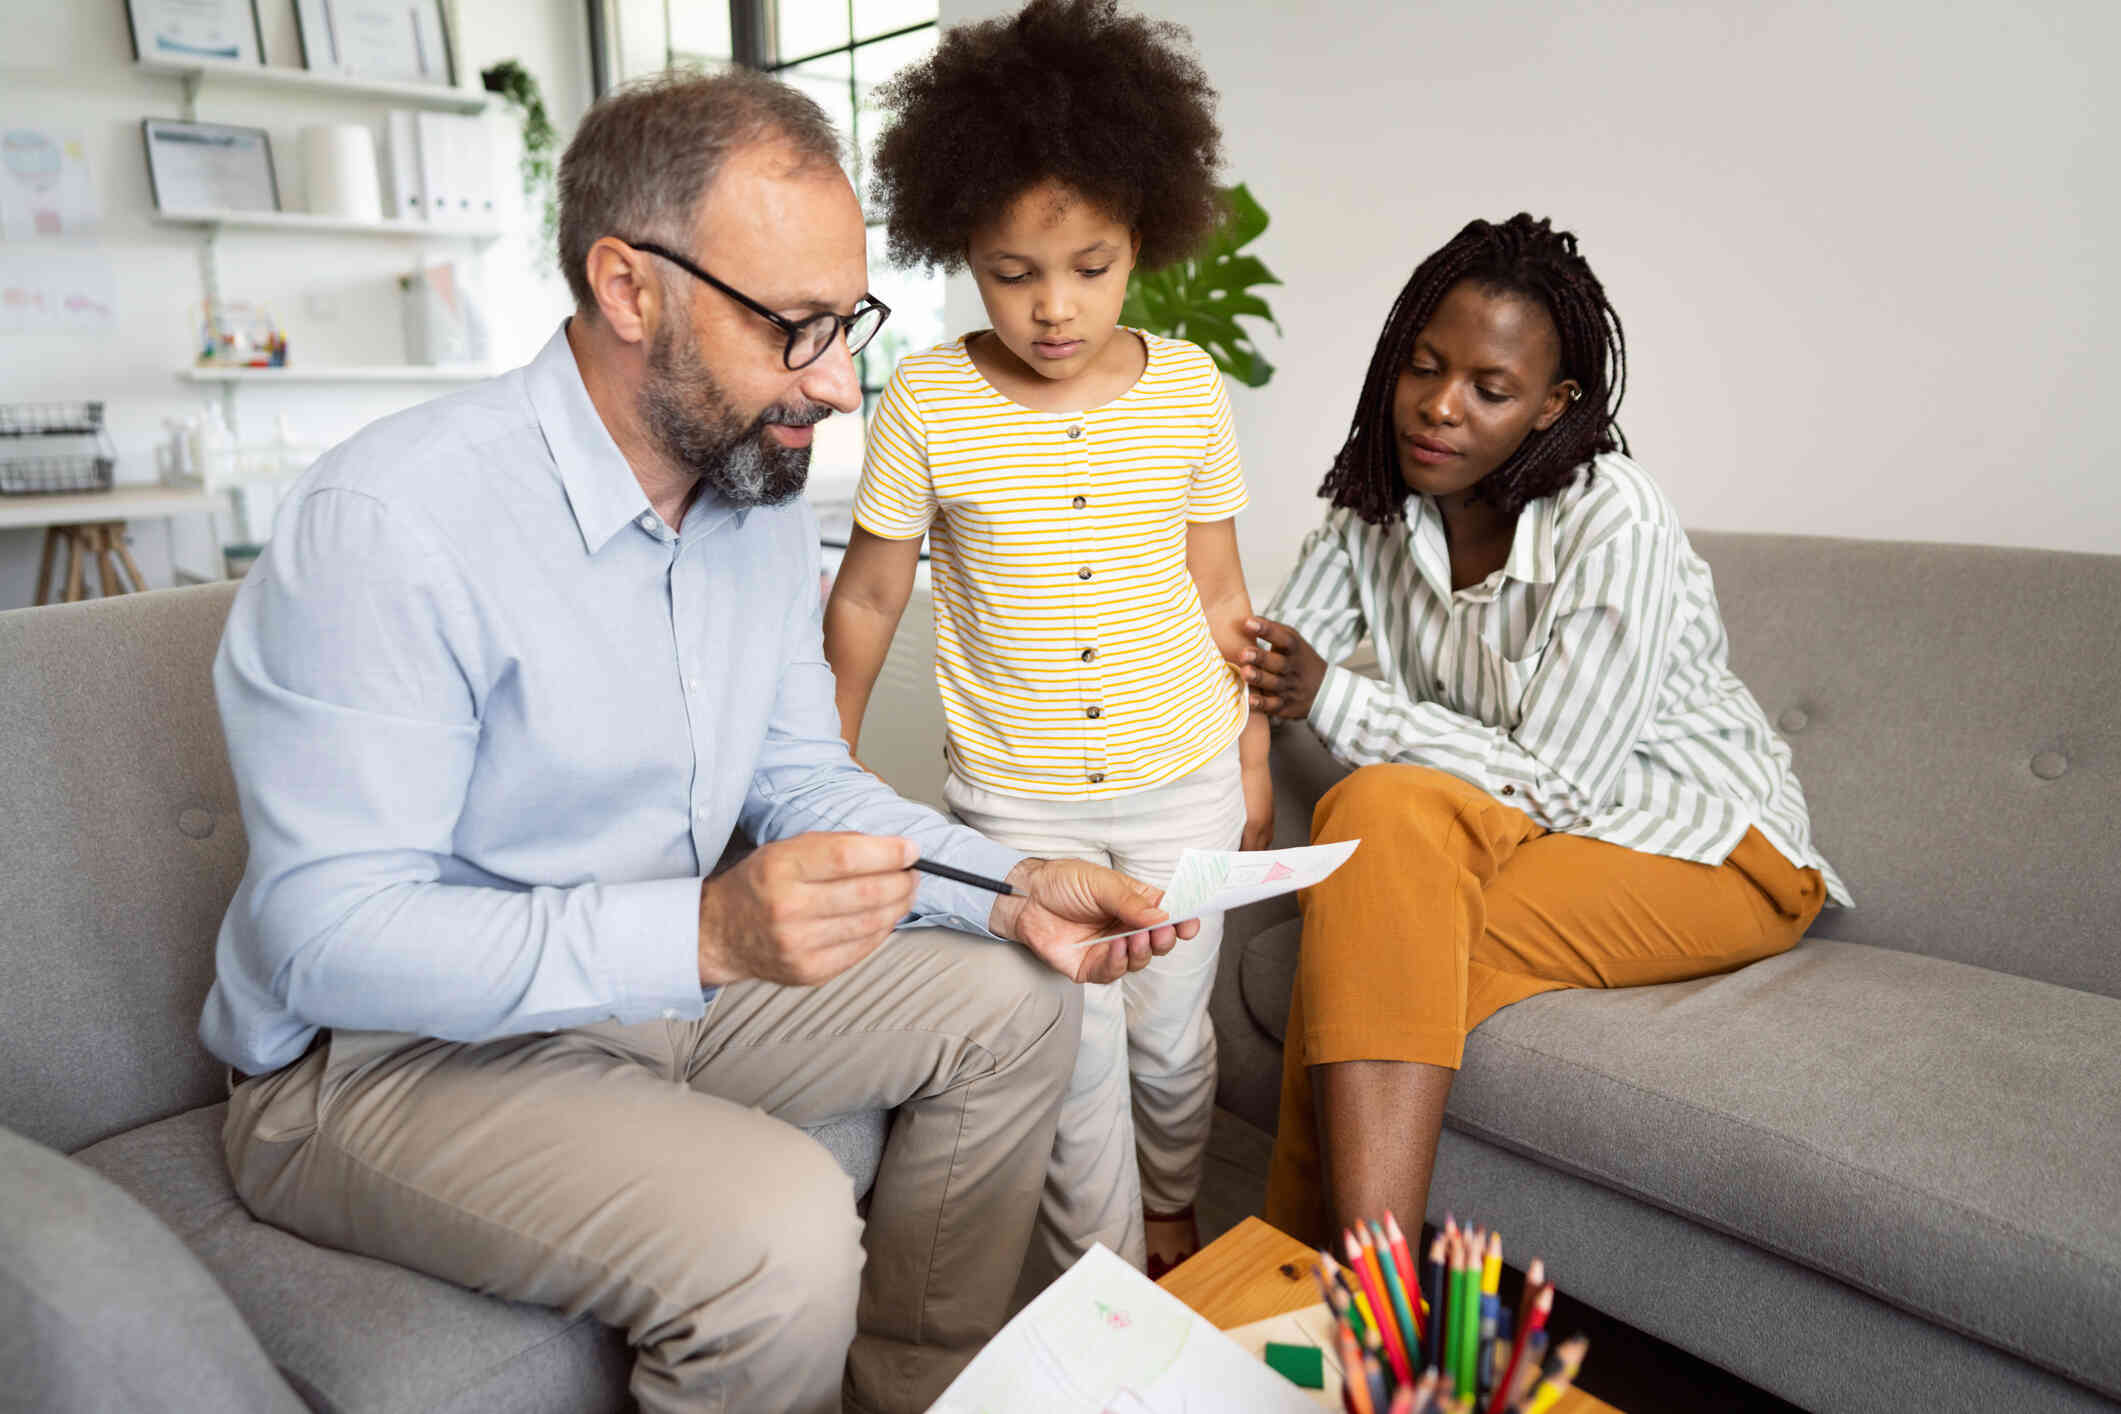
515, 667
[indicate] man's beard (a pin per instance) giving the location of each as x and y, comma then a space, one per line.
689, 416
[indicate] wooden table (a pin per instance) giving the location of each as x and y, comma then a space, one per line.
1254, 1271
89, 527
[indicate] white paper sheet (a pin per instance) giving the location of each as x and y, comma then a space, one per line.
1104, 1339
1212, 880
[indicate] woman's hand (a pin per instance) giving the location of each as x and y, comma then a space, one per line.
1284, 676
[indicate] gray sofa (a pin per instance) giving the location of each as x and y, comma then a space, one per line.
1882, 1171
131, 1277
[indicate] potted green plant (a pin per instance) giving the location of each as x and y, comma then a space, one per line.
514, 83
1202, 297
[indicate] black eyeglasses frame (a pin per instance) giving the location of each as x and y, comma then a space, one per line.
793, 328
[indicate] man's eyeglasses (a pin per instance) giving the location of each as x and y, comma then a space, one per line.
807, 338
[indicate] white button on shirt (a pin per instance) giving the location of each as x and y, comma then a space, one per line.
480, 788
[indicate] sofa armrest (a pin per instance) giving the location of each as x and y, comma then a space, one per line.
103, 1308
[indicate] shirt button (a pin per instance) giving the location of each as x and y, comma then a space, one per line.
692, 684
1089, 655
1097, 778
670, 1013
1509, 790
1083, 573
648, 522
1093, 712
1075, 432
1080, 502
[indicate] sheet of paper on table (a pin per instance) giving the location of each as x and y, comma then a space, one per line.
1104, 1339
1311, 1326
1213, 880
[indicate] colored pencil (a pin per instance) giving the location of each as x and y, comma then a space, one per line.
1535, 1276
1363, 1262
977, 881
1352, 1384
1380, 1383
1559, 1375
1490, 1314
1346, 1289
1397, 1287
1469, 1336
1542, 1305
1433, 1277
1408, 1272
1458, 1371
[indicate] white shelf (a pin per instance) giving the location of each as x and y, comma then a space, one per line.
303, 221
123, 502
422, 95
391, 373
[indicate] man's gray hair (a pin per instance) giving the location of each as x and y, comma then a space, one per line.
646, 154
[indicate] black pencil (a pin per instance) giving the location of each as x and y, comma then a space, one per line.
978, 881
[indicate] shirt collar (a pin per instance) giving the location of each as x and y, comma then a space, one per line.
601, 487
1531, 558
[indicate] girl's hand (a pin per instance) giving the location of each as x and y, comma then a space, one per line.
1284, 676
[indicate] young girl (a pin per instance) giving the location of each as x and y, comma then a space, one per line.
1561, 783
1076, 481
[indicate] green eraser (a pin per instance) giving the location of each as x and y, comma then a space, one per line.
1303, 1365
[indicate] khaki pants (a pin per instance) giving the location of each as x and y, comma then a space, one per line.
1458, 905
1134, 1123
650, 1174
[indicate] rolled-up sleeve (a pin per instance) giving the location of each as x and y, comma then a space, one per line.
349, 686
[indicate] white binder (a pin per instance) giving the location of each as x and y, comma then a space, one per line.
404, 199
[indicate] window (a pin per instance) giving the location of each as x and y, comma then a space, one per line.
838, 52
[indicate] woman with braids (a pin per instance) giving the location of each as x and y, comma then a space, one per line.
1075, 480
1560, 782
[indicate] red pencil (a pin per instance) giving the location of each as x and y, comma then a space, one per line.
1542, 1304
1409, 1275
1363, 1261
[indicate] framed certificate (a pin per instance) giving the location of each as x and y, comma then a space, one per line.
406, 41
225, 31
209, 167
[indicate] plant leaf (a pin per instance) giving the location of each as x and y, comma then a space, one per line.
1202, 298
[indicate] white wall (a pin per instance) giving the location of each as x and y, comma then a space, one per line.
1854, 244
69, 66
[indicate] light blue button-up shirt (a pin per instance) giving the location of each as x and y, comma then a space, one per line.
491, 721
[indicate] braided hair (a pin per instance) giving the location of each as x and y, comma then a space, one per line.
1523, 257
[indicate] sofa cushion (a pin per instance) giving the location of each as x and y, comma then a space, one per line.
102, 1308
417, 1343
1945, 1138
1951, 710
352, 1333
120, 844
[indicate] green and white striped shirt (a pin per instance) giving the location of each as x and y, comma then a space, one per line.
1587, 681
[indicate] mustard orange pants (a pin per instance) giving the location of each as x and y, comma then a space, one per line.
1457, 905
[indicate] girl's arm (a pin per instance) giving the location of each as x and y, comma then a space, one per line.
1219, 577
868, 597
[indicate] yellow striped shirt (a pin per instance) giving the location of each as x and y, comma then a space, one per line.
1072, 654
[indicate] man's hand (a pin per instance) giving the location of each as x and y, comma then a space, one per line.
802, 911
1060, 903
1284, 677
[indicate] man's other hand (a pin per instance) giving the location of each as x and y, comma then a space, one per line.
1061, 903
801, 911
